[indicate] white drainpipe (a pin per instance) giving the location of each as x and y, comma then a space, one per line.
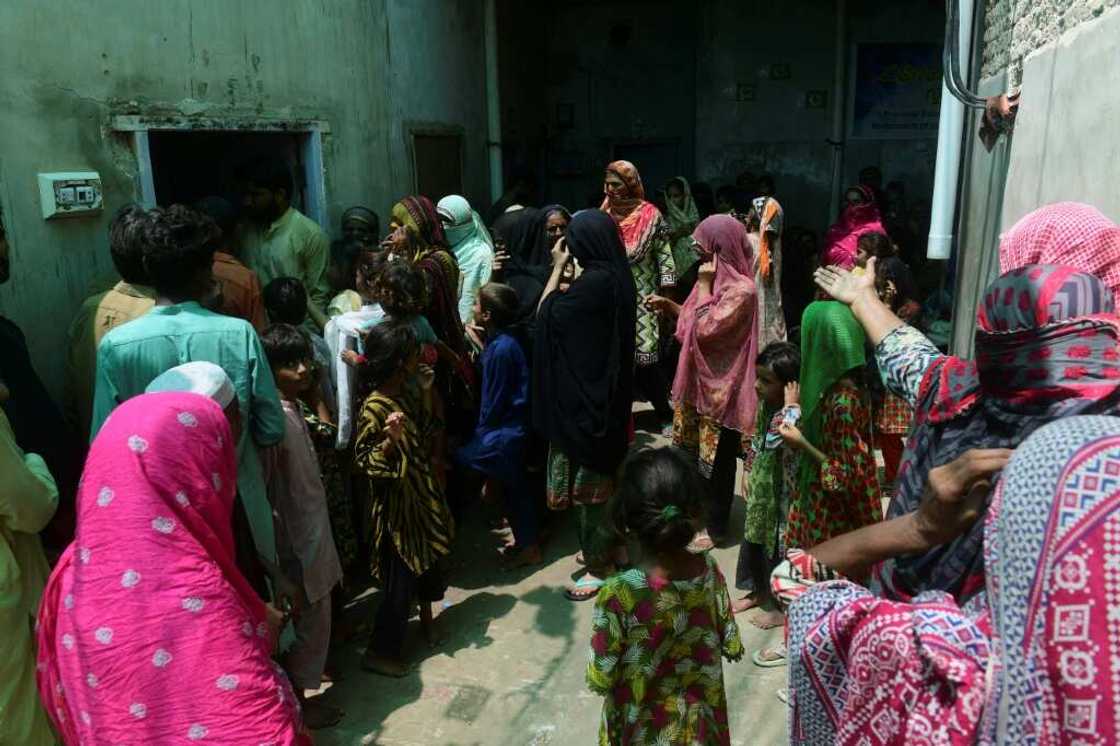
839, 105
493, 102
942, 216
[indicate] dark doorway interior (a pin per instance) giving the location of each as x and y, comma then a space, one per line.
187, 166
660, 161
438, 160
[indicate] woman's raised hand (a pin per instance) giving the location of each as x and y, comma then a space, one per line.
844, 285
707, 272
501, 256
560, 253
956, 494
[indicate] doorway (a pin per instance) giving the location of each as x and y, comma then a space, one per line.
184, 160
187, 166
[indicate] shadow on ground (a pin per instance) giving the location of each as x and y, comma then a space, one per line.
511, 672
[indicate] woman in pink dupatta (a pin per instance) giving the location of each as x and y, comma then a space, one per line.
147, 631
713, 390
860, 215
1033, 660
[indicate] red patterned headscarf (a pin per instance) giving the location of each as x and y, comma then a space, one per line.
620, 207
1045, 334
1048, 346
1069, 233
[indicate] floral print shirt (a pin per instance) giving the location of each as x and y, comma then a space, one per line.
844, 493
656, 650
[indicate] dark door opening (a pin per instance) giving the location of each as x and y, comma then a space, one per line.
187, 166
438, 162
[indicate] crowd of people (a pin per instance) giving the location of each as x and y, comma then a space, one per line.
258, 419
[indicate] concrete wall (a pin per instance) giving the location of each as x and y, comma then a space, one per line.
363, 66
1065, 146
1016, 28
437, 76
1062, 147
634, 88
676, 81
980, 222
776, 133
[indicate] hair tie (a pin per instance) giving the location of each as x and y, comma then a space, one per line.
669, 512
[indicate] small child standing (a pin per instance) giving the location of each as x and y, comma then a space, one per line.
769, 478
411, 525
659, 630
497, 446
400, 290
285, 302
304, 540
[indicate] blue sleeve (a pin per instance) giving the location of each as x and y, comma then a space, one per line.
499, 376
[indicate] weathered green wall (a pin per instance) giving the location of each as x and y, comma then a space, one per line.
363, 66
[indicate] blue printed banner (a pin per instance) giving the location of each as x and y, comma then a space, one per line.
896, 92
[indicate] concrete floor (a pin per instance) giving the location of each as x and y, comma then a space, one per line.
511, 670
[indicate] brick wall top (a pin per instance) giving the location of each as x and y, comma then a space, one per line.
1016, 28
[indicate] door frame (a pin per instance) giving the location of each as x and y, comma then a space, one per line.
309, 131
426, 129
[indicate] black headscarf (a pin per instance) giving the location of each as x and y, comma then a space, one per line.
583, 373
540, 254
515, 228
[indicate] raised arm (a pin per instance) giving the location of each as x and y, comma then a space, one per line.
858, 292
953, 501
902, 353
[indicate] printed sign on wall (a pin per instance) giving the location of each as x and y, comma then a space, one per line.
896, 91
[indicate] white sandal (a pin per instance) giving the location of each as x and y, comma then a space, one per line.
778, 652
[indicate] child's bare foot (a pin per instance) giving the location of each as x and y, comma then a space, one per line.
768, 619
745, 603
318, 714
383, 666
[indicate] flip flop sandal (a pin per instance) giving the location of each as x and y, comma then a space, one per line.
776, 662
584, 584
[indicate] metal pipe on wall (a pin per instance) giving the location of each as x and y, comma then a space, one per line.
950, 128
493, 102
839, 104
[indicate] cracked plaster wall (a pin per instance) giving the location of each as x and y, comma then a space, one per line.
364, 66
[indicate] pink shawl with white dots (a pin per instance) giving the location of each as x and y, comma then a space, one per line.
147, 631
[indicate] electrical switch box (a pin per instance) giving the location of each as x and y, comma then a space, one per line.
70, 194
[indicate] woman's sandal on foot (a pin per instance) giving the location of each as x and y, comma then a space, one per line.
585, 589
770, 657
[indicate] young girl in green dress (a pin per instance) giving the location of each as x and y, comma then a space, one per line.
659, 630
